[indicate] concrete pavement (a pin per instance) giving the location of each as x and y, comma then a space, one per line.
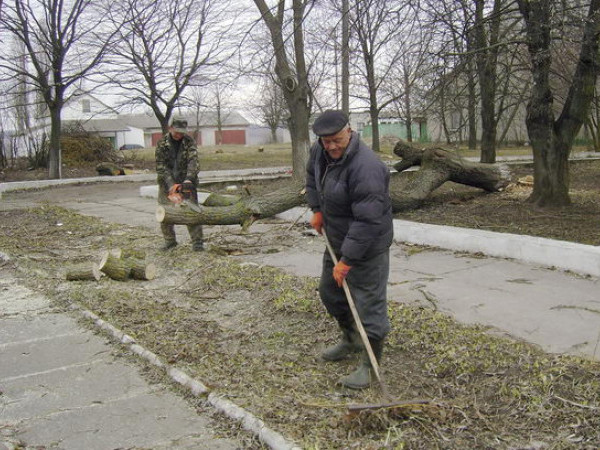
63, 387
559, 310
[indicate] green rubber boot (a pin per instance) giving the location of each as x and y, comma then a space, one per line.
349, 344
361, 378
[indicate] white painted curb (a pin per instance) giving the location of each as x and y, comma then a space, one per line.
251, 423
578, 258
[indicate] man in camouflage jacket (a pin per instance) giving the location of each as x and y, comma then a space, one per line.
177, 170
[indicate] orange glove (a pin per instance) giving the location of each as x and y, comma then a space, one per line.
340, 271
175, 194
316, 221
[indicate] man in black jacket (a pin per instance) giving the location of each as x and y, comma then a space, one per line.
347, 190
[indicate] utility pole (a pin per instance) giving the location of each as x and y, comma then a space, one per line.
345, 57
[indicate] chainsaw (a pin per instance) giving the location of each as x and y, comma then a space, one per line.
180, 192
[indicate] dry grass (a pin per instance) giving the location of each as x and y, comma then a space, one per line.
253, 334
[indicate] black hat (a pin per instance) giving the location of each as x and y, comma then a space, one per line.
330, 122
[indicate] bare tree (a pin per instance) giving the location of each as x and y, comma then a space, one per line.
63, 43
346, 56
287, 39
162, 48
491, 29
481, 34
272, 109
406, 80
552, 139
375, 27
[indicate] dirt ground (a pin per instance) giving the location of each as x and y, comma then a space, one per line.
253, 332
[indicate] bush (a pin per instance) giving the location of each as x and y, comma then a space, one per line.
78, 146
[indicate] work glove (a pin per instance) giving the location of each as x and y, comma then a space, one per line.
340, 271
175, 194
187, 189
316, 221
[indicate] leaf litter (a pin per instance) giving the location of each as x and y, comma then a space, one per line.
253, 334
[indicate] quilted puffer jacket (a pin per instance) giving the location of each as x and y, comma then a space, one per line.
352, 193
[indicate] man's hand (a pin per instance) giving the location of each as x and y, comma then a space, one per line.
316, 221
175, 194
340, 271
187, 188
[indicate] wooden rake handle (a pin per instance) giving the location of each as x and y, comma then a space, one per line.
357, 321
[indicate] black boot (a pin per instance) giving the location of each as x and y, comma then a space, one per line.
168, 245
349, 344
361, 378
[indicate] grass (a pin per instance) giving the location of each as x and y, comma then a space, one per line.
215, 157
253, 332
229, 156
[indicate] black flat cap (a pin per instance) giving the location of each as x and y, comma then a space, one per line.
330, 122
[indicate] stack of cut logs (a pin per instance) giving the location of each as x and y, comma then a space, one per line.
118, 264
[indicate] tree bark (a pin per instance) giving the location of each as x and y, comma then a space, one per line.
292, 75
84, 272
552, 139
408, 190
122, 265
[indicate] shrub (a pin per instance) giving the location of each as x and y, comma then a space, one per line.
79, 146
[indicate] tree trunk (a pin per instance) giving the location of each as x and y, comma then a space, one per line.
552, 141
407, 105
294, 81
54, 155
408, 190
486, 59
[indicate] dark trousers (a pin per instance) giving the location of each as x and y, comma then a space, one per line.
368, 285
168, 230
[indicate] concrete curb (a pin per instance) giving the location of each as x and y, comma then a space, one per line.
251, 423
578, 258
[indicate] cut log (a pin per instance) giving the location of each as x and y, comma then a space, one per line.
114, 267
221, 200
140, 270
135, 253
110, 169
84, 272
243, 212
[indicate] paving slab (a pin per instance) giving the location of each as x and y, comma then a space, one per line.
61, 387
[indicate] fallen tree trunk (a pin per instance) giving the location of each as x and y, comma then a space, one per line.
243, 212
408, 190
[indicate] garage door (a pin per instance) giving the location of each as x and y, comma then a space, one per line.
231, 137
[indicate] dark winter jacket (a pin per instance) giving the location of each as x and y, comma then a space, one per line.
176, 161
353, 195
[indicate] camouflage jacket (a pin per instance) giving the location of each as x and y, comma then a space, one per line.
176, 161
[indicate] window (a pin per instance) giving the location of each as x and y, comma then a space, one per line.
85, 106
